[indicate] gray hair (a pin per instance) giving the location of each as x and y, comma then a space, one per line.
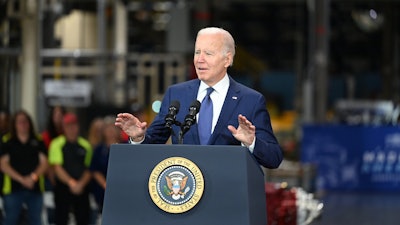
228, 41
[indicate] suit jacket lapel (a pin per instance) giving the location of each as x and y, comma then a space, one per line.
230, 103
193, 88
191, 93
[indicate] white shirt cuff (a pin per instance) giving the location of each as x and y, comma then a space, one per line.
251, 147
134, 142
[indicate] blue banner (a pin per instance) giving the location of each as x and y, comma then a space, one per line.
353, 157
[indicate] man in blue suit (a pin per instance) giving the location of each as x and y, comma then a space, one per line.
239, 114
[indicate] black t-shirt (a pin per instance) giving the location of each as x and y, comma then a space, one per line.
74, 159
24, 157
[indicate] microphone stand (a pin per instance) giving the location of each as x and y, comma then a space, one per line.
181, 133
184, 128
180, 138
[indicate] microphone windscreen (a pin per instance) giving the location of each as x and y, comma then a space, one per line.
176, 105
196, 105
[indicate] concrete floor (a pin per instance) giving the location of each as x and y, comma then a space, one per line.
352, 208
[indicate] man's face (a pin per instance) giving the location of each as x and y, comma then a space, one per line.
71, 131
210, 62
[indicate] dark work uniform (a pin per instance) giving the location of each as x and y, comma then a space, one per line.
75, 159
24, 158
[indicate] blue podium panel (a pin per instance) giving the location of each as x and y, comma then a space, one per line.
353, 157
233, 186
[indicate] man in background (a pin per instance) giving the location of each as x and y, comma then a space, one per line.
70, 155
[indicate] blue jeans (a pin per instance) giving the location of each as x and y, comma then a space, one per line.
13, 204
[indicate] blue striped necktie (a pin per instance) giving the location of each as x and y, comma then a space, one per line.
205, 118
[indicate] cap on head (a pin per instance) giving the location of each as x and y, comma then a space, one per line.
70, 118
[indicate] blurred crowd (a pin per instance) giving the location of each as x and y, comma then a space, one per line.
57, 160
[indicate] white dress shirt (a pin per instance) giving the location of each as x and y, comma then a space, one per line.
217, 96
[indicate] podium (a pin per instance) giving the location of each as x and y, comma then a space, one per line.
229, 189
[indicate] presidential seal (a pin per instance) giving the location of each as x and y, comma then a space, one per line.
176, 185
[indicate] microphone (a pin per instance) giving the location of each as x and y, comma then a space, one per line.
172, 111
190, 118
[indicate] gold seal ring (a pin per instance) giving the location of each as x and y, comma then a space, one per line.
176, 185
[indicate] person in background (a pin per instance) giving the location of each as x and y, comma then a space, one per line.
4, 132
70, 155
237, 115
53, 129
95, 131
110, 135
54, 125
4, 135
4, 122
23, 161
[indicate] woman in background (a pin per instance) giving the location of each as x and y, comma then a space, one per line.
110, 135
95, 132
54, 125
23, 161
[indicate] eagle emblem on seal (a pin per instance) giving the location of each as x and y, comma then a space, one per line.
176, 185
